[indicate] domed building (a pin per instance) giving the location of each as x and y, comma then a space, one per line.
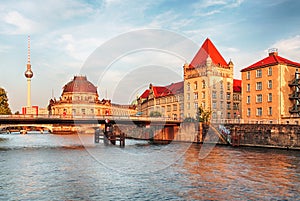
80, 98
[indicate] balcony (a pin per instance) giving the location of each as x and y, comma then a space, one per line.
295, 95
295, 109
294, 82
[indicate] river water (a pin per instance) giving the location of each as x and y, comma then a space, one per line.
72, 167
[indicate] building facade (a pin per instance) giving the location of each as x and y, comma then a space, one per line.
80, 98
270, 90
166, 100
208, 83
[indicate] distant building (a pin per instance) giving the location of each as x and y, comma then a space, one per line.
271, 90
80, 97
208, 83
165, 100
237, 98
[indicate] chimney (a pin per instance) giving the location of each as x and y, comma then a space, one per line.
273, 52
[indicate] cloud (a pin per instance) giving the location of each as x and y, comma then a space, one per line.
19, 24
289, 47
211, 7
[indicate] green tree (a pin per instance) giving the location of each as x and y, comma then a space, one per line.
155, 114
203, 115
4, 106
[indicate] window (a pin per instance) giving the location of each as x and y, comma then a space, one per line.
188, 106
214, 94
248, 99
258, 86
258, 73
214, 105
174, 107
83, 111
221, 85
228, 106
163, 109
157, 101
214, 84
270, 71
188, 97
221, 104
248, 112
203, 84
248, 75
228, 96
269, 84
228, 85
259, 98
221, 95
195, 96
203, 95
259, 112
195, 85
203, 104
188, 86
214, 115
168, 108
228, 115
235, 106
270, 111
196, 105
270, 97
248, 87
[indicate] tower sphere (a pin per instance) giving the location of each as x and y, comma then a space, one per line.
28, 73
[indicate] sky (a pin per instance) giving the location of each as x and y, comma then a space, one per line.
117, 42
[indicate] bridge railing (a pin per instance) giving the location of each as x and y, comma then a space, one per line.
255, 121
88, 117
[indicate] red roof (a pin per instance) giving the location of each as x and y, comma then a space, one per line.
237, 85
271, 60
208, 49
80, 84
145, 94
160, 91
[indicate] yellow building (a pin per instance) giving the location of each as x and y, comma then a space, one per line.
208, 83
270, 90
80, 98
165, 100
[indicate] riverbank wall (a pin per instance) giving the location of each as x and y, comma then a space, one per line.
265, 135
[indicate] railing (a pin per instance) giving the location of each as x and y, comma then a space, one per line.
88, 117
294, 82
295, 95
255, 121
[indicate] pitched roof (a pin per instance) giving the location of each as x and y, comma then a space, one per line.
271, 60
208, 49
237, 85
160, 91
145, 94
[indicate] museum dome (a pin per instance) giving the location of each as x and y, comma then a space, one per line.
80, 84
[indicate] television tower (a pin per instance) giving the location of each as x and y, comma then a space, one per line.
28, 75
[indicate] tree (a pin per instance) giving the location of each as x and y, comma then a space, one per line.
155, 114
203, 115
4, 106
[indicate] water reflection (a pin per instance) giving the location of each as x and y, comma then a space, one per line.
53, 167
